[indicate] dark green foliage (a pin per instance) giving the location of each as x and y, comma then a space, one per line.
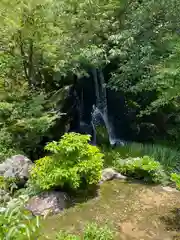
73, 162
147, 49
144, 168
102, 136
91, 232
24, 120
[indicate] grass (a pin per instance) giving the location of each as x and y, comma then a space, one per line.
164, 152
91, 232
168, 157
130, 210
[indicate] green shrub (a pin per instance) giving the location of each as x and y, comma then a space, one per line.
73, 162
175, 177
167, 156
16, 223
91, 232
144, 168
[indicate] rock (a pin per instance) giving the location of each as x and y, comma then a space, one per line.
16, 167
169, 189
47, 203
110, 174
4, 196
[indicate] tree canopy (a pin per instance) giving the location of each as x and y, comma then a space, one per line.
45, 42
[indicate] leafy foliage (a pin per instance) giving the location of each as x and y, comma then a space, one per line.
147, 50
73, 162
42, 35
17, 223
91, 232
167, 156
45, 44
24, 121
144, 168
175, 177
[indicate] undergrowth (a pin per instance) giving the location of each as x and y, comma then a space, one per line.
16, 223
168, 157
175, 177
144, 168
91, 232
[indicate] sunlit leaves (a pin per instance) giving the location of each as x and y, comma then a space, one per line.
73, 162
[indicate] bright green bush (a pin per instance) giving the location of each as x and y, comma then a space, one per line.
175, 177
144, 168
91, 232
167, 156
16, 223
73, 162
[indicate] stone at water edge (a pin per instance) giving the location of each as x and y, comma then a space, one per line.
51, 202
110, 174
17, 167
169, 189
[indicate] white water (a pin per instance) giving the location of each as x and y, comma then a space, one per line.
100, 109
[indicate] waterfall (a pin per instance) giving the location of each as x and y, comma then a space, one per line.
84, 127
94, 133
100, 109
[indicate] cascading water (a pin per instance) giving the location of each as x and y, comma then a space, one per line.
85, 127
100, 109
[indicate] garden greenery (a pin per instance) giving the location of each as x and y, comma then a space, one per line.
91, 232
73, 162
175, 177
166, 155
47, 46
16, 223
144, 168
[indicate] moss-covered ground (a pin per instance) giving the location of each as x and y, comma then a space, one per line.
133, 210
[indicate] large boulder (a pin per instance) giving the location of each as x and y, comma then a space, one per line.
16, 167
110, 174
46, 203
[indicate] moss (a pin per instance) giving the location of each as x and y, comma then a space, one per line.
124, 207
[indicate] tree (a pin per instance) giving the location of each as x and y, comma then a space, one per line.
41, 42
146, 50
44, 36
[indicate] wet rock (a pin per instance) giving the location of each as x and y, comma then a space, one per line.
169, 189
47, 203
16, 167
110, 174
